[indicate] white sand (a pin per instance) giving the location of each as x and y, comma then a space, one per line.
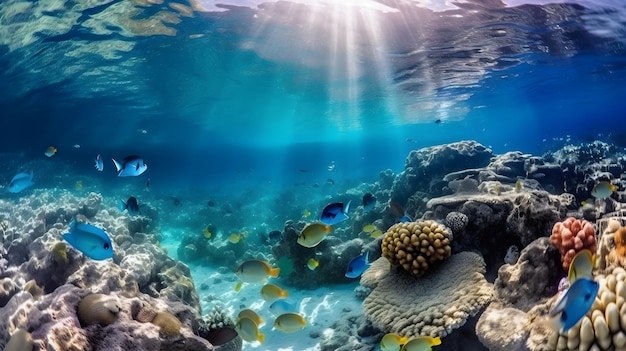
320, 307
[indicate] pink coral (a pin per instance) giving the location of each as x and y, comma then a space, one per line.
571, 236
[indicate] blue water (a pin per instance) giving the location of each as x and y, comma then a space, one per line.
248, 103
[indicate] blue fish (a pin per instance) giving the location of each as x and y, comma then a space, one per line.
283, 306
358, 265
131, 166
369, 201
334, 213
130, 205
575, 303
20, 182
92, 241
99, 165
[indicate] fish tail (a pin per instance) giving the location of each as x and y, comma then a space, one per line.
261, 337
328, 228
274, 272
118, 166
436, 341
122, 206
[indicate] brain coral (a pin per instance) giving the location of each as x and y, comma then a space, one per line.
456, 221
416, 245
571, 236
604, 326
434, 304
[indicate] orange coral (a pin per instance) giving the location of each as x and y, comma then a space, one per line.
620, 241
571, 236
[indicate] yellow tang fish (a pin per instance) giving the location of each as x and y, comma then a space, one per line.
603, 189
518, 186
78, 185
249, 331
306, 213
369, 228
256, 271
207, 233
376, 234
421, 343
238, 286
581, 266
392, 342
253, 316
289, 322
271, 293
313, 234
234, 238
312, 264
50, 151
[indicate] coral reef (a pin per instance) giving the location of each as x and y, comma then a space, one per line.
416, 245
456, 221
425, 168
571, 236
603, 327
54, 322
435, 304
532, 278
69, 302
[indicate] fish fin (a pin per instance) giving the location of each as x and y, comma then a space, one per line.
560, 305
436, 341
261, 337
274, 272
367, 258
118, 166
122, 206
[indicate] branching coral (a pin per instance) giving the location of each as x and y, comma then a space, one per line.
571, 236
416, 245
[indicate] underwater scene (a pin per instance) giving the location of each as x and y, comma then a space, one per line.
313, 175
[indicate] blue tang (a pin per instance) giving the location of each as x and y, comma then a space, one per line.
575, 303
130, 205
131, 166
92, 241
20, 182
358, 265
369, 201
334, 213
99, 165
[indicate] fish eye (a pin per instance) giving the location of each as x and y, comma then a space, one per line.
106, 246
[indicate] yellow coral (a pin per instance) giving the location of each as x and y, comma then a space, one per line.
98, 309
169, 324
416, 245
